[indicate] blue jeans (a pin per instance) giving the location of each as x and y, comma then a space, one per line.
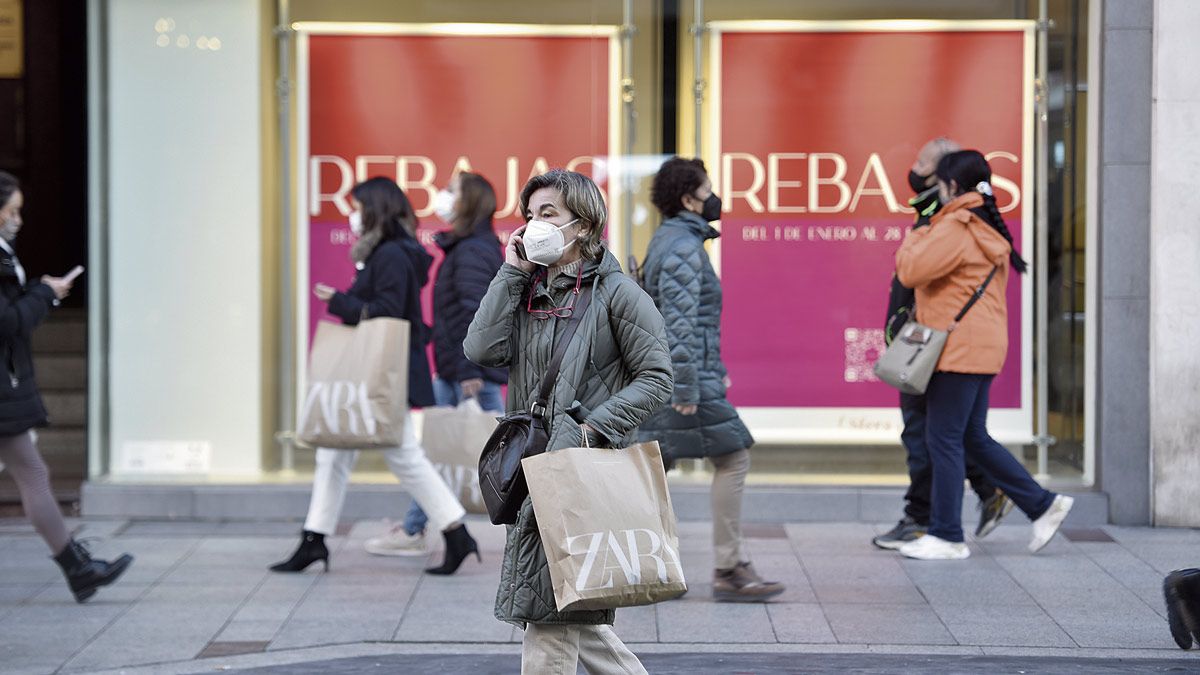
450, 393
920, 469
956, 428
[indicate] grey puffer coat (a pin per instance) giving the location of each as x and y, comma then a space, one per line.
684, 286
615, 373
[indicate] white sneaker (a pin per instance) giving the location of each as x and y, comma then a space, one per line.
1045, 527
397, 542
930, 547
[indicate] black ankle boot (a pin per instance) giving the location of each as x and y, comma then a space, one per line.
459, 545
312, 548
84, 575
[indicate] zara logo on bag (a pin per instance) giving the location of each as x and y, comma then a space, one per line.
342, 400
638, 543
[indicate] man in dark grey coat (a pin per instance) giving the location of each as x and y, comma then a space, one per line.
700, 421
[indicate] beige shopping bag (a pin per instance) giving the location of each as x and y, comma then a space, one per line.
453, 438
607, 526
456, 435
357, 393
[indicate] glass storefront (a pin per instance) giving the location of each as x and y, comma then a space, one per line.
789, 112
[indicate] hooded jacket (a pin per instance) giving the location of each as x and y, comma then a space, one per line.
470, 264
22, 309
616, 371
389, 285
685, 288
945, 263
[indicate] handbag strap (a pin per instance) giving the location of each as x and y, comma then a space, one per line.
974, 297
560, 350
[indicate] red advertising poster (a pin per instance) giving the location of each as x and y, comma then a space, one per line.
418, 104
816, 128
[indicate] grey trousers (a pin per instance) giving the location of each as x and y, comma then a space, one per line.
729, 480
552, 649
20, 456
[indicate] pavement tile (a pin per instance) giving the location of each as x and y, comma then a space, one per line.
692, 619
839, 539
251, 630
800, 623
637, 624
887, 624
985, 624
973, 582
433, 616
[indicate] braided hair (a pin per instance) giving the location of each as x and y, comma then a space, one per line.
970, 171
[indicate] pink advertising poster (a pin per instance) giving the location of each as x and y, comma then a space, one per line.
812, 134
419, 103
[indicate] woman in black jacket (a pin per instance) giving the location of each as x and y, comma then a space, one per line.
472, 260
393, 267
23, 305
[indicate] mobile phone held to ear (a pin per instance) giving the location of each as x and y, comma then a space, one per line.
73, 274
521, 251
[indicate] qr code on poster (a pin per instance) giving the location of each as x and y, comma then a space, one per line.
864, 346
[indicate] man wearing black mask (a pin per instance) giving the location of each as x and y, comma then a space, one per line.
993, 504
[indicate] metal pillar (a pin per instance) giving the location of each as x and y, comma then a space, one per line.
285, 428
1041, 272
699, 84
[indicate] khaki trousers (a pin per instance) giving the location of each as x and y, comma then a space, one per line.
552, 649
729, 479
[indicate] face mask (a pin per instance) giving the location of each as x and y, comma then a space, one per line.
544, 242
356, 223
917, 182
712, 208
443, 206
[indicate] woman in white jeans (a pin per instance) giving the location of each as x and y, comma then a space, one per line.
393, 267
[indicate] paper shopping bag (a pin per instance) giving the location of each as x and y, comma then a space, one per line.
607, 526
357, 393
456, 435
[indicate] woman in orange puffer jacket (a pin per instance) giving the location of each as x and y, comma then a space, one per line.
946, 262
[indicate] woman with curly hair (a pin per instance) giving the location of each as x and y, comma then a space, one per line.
700, 421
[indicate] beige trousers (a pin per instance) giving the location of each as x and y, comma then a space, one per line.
728, 481
552, 649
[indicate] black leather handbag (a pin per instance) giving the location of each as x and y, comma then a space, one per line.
523, 434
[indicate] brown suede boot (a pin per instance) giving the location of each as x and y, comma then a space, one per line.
742, 584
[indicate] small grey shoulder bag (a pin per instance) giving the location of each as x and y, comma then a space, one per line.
912, 357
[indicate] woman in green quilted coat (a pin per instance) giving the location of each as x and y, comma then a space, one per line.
616, 371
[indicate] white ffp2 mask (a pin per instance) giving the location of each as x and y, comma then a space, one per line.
544, 242
443, 206
356, 223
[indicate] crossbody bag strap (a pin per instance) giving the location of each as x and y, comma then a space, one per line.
975, 297
560, 350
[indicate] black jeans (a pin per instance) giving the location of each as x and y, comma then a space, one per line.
956, 407
920, 468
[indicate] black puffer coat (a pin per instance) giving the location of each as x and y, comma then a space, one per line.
680, 278
470, 264
22, 309
389, 285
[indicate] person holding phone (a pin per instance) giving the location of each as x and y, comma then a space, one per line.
616, 371
24, 304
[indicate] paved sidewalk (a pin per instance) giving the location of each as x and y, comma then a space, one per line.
200, 598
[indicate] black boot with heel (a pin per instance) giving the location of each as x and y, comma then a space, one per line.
85, 575
459, 545
312, 549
